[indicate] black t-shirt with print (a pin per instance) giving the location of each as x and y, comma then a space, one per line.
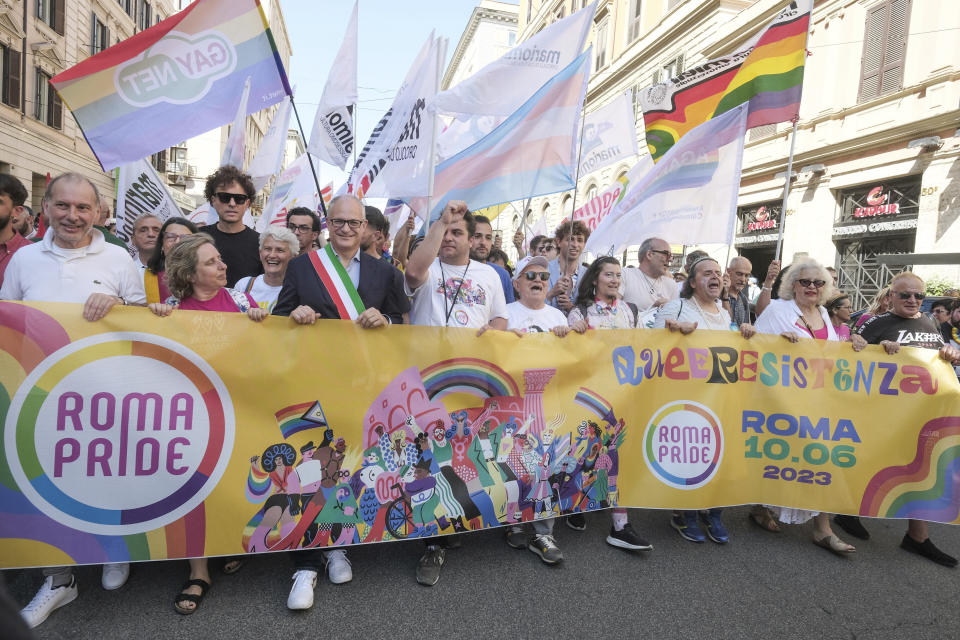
907, 332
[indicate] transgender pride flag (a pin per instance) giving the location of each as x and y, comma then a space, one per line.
532, 153
177, 79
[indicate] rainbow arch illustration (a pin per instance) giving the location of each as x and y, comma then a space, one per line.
467, 375
926, 489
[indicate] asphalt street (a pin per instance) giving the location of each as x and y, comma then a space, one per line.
760, 585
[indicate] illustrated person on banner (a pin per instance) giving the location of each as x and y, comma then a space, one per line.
104, 276
904, 325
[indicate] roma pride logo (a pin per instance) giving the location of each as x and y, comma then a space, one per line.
179, 69
683, 444
98, 423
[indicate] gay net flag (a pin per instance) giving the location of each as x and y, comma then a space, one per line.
177, 79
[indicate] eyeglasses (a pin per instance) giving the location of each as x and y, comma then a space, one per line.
545, 248
806, 282
300, 228
338, 223
533, 275
906, 295
225, 197
663, 252
170, 235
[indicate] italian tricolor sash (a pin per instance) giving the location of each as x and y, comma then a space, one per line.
337, 283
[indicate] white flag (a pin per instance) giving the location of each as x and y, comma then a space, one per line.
396, 161
140, 190
199, 216
501, 87
295, 188
609, 134
235, 151
270, 154
689, 197
594, 210
332, 137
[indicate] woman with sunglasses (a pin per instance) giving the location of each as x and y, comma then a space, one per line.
839, 307
904, 325
154, 276
799, 313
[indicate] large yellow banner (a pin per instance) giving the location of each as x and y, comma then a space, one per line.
138, 437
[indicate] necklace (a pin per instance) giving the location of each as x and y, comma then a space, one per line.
456, 294
652, 286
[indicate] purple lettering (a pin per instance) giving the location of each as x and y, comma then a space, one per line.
181, 406
145, 466
95, 410
61, 457
175, 456
98, 452
72, 411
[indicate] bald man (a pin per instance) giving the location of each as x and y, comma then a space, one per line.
738, 275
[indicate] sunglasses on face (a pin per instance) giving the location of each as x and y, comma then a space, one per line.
533, 275
906, 295
225, 197
806, 282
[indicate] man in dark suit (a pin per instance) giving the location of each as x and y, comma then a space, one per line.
320, 283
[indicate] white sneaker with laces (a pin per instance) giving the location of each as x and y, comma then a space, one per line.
338, 567
48, 600
115, 575
301, 594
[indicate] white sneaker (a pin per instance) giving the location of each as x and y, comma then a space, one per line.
48, 600
338, 567
115, 575
301, 594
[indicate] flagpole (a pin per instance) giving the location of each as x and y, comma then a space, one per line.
441, 55
576, 180
786, 189
313, 170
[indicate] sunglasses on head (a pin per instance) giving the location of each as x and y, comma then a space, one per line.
533, 275
225, 197
906, 295
806, 282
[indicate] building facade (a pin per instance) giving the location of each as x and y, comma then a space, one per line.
39, 39
876, 167
491, 31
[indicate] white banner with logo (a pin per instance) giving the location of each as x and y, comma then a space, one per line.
141, 190
332, 137
609, 134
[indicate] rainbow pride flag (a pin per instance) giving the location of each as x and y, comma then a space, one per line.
300, 417
177, 79
767, 74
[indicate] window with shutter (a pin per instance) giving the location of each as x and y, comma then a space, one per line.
11, 77
633, 19
55, 117
59, 13
884, 49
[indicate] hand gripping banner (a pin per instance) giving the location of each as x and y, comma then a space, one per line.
203, 434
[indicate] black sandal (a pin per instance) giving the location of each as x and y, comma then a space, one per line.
190, 597
232, 564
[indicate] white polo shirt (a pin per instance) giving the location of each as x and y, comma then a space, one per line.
44, 272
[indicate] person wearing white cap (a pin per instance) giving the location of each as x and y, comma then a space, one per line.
531, 314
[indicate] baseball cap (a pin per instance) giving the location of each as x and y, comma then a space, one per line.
539, 261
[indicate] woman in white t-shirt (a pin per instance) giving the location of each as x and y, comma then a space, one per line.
699, 307
278, 246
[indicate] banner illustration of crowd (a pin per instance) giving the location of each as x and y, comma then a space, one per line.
423, 470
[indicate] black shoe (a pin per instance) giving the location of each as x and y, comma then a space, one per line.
577, 521
853, 526
928, 550
627, 538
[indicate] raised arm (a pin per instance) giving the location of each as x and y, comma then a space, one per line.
419, 264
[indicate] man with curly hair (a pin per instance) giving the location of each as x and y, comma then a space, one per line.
230, 192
